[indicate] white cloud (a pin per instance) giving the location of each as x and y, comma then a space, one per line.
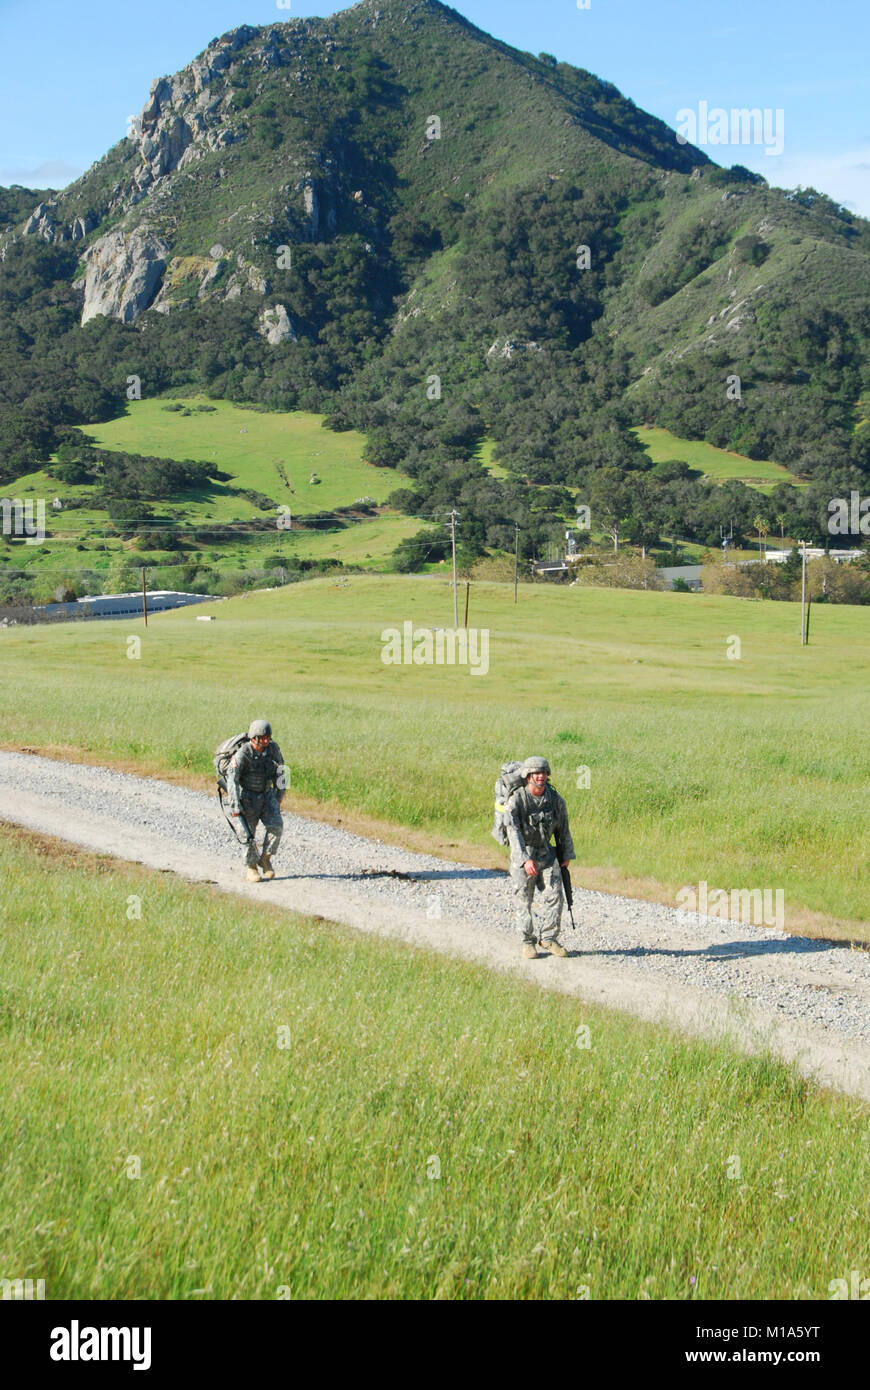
51, 173
844, 177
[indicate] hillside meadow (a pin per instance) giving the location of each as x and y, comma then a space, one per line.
722, 465
273, 452
273, 1107
286, 457
678, 762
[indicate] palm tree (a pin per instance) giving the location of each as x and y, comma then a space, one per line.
762, 528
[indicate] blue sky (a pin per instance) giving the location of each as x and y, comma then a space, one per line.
73, 73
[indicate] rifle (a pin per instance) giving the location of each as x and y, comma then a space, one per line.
566, 879
229, 818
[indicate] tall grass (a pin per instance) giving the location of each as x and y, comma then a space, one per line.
218, 1100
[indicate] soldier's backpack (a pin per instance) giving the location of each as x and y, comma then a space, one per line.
509, 779
222, 756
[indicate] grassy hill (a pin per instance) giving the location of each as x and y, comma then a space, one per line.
427, 283
268, 452
701, 767
275, 455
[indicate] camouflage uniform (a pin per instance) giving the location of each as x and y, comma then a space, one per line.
255, 786
530, 821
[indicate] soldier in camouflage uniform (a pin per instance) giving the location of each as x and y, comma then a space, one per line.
255, 787
533, 812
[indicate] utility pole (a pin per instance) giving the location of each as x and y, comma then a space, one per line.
803, 594
516, 557
144, 598
454, 515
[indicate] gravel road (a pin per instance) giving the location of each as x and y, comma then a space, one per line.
807, 1000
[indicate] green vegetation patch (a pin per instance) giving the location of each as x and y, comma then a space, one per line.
274, 453
721, 464
268, 1106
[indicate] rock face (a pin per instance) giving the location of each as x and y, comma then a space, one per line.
505, 348
181, 114
318, 219
276, 327
123, 274
187, 117
247, 277
41, 222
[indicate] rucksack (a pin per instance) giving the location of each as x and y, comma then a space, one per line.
223, 756
509, 779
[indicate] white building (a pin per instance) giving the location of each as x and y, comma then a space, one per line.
123, 605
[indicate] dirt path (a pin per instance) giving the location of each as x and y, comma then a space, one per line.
808, 1000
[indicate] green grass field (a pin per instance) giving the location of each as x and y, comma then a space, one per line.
748, 772
485, 451
261, 450
251, 444
720, 464
365, 543
272, 1107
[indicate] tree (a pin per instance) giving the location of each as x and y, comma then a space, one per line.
121, 577
413, 552
761, 526
610, 503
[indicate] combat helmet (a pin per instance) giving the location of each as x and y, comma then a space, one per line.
534, 765
260, 728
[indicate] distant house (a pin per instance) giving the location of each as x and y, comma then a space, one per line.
691, 574
778, 557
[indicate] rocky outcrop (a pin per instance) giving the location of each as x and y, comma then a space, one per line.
163, 145
187, 116
188, 275
82, 226
311, 205
318, 206
123, 274
247, 277
506, 347
182, 118
41, 223
276, 327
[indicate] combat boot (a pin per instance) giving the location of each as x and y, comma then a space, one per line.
554, 947
266, 866
529, 951
253, 875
